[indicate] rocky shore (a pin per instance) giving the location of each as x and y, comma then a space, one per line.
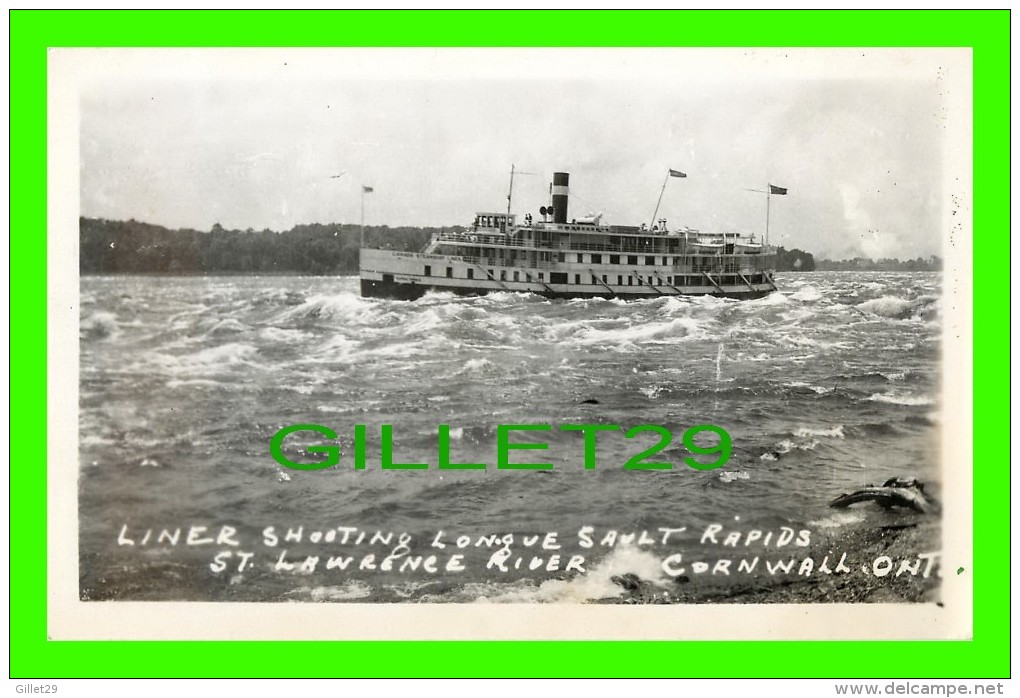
879, 564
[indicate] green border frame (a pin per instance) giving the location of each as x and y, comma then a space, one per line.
31, 32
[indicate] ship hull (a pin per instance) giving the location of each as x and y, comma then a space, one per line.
414, 291
409, 276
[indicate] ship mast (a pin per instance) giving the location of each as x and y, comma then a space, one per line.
670, 173
510, 193
769, 190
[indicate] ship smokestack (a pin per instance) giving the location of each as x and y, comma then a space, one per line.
559, 196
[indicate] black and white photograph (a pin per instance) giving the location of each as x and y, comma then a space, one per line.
511, 343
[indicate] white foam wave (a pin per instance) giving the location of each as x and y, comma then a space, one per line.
886, 306
835, 432
424, 322
730, 476
99, 325
596, 583
505, 298
96, 440
786, 446
228, 326
476, 366
282, 335
636, 333
210, 360
676, 304
771, 299
838, 519
346, 592
337, 346
807, 293
894, 398
819, 389
193, 383
232, 353
343, 307
898, 308
407, 590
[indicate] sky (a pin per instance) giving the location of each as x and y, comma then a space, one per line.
862, 141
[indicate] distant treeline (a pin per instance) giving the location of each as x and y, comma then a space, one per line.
794, 260
933, 263
131, 247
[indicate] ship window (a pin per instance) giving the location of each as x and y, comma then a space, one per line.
619, 281
669, 280
580, 257
428, 270
614, 259
650, 261
632, 259
640, 282
556, 277
562, 257
594, 280
603, 277
517, 276
492, 273
596, 259
541, 276
471, 273
630, 280
577, 279
502, 274
449, 272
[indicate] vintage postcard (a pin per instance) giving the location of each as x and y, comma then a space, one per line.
510, 344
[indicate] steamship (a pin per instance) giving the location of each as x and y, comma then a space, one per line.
563, 257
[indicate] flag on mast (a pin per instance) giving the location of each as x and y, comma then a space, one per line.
773, 189
369, 190
676, 173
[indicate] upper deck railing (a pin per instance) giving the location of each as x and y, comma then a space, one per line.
690, 242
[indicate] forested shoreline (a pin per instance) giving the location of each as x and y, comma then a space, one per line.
133, 247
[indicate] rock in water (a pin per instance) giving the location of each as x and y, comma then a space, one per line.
895, 492
629, 581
